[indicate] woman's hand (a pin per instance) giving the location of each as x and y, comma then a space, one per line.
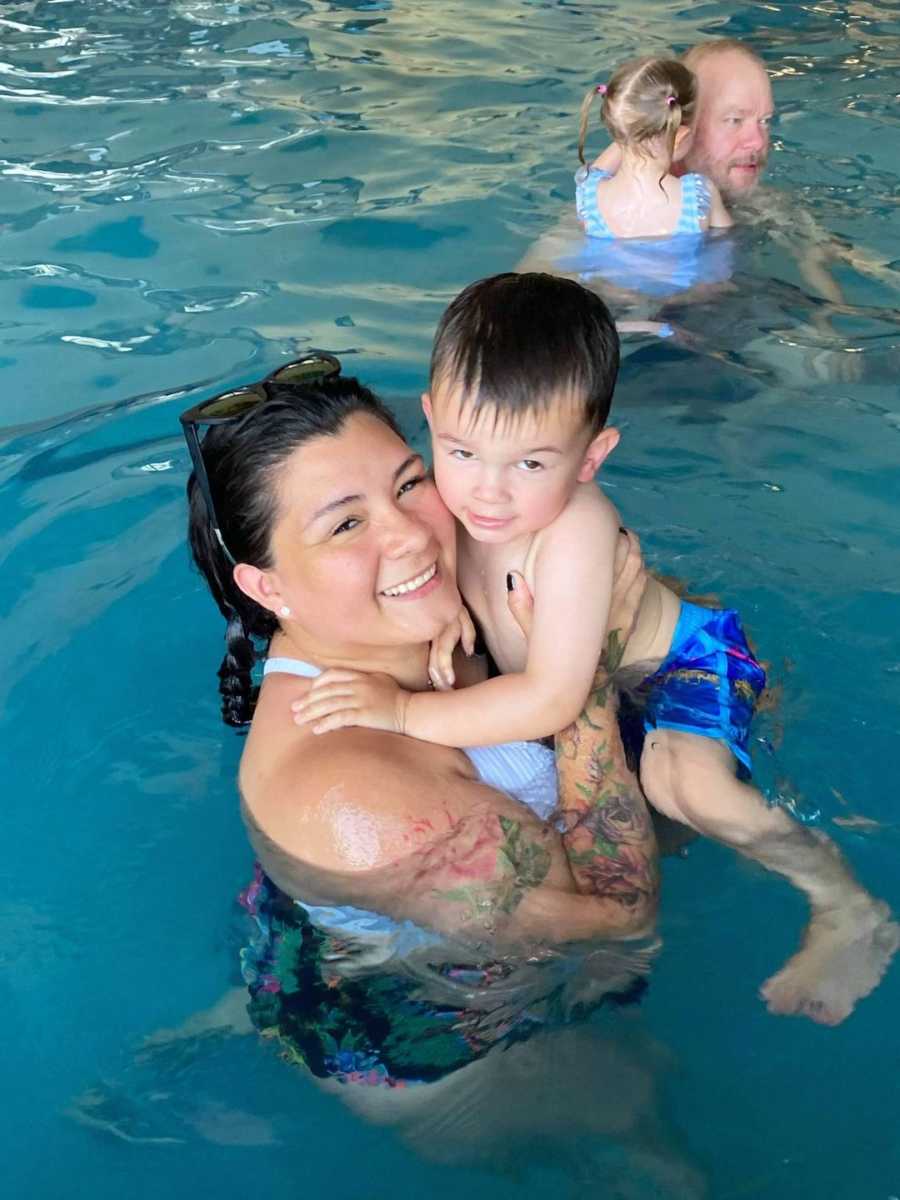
440, 657
339, 697
520, 602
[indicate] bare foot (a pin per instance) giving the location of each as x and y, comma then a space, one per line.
844, 955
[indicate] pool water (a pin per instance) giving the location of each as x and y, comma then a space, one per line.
194, 191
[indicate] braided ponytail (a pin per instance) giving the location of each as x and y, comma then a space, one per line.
245, 619
235, 685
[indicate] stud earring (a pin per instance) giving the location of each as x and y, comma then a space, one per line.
284, 611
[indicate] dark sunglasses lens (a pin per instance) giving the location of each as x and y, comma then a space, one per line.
305, 370
232, 404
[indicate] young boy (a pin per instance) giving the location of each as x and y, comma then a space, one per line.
522, 376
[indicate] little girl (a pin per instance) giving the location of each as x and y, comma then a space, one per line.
629, 191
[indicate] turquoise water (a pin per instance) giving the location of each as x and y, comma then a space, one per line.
193, 192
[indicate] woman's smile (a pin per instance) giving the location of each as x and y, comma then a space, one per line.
415, 587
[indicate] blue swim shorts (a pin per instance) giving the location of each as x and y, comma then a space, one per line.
709, 683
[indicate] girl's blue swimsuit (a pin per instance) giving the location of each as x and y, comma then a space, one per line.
653, 266
695, 203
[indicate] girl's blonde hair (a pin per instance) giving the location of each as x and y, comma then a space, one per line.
645, 98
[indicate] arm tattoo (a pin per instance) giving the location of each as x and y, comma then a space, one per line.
606, 828
606, 837
610, 661
520, 864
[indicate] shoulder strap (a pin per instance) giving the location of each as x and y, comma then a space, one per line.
586, 180
695, 203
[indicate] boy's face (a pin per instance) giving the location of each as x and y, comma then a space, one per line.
508, 477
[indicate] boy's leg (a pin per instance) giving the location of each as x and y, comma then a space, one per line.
850, 937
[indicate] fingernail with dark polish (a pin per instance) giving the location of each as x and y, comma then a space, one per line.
622, 529
510, 582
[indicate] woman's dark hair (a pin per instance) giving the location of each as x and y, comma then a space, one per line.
242, 459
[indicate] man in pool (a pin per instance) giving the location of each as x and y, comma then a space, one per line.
730, 129
730, 144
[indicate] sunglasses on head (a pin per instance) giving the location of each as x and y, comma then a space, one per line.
232, 406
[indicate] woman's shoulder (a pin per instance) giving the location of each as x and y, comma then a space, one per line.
350, 800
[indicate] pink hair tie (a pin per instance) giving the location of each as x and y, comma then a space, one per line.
601, 89
670, 100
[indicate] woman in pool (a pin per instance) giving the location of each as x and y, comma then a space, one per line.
321, 534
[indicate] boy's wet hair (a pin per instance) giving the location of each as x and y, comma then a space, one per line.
518, 344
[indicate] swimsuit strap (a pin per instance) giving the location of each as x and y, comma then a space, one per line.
586, 180
291, 666
695, 203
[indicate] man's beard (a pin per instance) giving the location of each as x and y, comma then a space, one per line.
732, 192
722, 176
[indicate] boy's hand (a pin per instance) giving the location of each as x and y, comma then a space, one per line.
440, 657
339, 698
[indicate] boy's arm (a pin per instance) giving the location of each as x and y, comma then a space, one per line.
572, 585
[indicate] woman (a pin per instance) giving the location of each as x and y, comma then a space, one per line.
320, 533
410, 917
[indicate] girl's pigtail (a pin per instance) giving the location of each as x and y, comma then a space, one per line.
673, 121
598, 90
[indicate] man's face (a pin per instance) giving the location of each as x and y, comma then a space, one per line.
730, 141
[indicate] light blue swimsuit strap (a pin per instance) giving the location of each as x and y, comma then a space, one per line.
290, 666
586, 180
695, 202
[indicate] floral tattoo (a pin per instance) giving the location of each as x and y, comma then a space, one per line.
520, 865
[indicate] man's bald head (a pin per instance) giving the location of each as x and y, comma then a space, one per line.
730, 142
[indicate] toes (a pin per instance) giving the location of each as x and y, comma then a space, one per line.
818, 1011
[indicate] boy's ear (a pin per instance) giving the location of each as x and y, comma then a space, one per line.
426, 407
258, 585
599, 449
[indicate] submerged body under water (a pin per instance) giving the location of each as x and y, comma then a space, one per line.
194, 193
